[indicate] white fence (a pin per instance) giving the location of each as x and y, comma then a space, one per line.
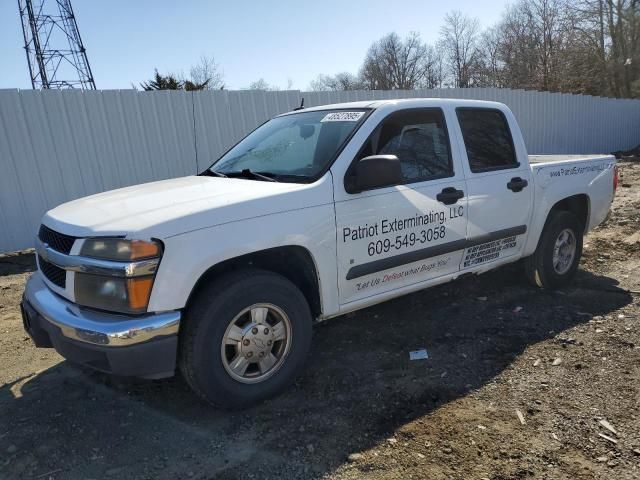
59, 145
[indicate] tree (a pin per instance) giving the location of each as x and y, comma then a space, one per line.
583, 46
529, 45
517, 49
393, 63
162, 82
173, 82
206, 73
489, 47
577, 46
610, 31
459, 37
262, 84
339, 81
193, 86
433, 70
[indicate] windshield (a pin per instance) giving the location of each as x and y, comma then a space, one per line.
294, 147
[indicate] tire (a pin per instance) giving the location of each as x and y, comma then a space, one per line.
540, 268
209, 367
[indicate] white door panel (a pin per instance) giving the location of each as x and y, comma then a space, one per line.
398, 236
500, 199
497, 217
393, 237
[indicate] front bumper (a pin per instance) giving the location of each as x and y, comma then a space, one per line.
140, 346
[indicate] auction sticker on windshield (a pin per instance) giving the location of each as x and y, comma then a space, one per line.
342, 117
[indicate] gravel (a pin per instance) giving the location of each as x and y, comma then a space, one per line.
497, 339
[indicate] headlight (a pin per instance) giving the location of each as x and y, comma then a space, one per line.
116, 294
120, 292
119, 250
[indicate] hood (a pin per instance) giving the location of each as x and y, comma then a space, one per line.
170, 207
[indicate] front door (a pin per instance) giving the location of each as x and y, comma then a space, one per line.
392, 237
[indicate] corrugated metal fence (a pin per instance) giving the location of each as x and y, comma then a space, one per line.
59, 145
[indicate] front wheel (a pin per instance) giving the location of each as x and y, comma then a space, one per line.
246, 337
555, 261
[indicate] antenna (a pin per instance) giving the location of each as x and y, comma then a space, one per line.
301, 107
55, 54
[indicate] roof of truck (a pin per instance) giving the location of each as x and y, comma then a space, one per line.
404, 102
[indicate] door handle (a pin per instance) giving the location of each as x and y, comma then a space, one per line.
449, 195
517, 184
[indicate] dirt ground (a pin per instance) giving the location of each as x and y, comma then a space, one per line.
564, 360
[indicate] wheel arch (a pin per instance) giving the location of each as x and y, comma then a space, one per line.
291, 261
579, 205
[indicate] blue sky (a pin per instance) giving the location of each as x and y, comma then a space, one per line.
274, 40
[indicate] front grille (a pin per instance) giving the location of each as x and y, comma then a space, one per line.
58, 241
54, 274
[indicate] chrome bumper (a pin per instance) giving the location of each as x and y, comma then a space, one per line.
75, 263
93, 327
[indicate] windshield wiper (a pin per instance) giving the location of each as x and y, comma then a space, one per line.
212, 173
259, 175
248, 173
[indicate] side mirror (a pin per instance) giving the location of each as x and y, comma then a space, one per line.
375, 171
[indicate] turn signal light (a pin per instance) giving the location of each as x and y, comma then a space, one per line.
141, 249
139, 291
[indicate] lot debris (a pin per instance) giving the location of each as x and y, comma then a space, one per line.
421, 354
355, 457
47, 474
608, 438
556, 361
520, 417
608, 426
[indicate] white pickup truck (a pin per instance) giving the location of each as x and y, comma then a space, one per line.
317, 212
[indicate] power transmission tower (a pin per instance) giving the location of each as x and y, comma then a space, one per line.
55, 54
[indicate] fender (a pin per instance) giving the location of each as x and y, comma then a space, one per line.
195, 253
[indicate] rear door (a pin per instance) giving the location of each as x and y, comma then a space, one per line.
395, 236
499, 187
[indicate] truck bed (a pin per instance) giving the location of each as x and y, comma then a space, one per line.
562, 176
534, 159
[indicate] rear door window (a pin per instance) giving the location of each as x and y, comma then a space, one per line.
487, 139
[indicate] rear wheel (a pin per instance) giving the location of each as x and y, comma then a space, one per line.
246, 337
555, 261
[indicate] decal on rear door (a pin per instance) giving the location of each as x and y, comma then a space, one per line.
492, 246
487, 251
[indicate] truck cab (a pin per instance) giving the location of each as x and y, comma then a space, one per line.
316, 213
